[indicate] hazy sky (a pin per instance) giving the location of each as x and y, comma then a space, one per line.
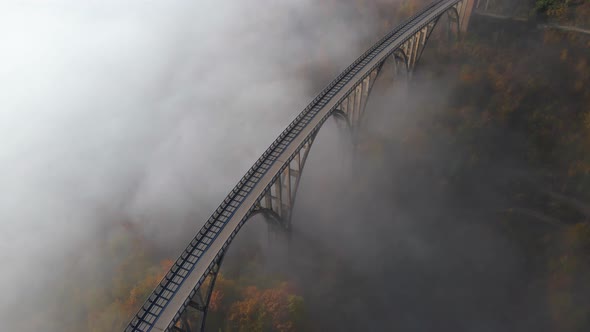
143, 111
149, 112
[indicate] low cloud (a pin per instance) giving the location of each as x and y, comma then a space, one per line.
143, 112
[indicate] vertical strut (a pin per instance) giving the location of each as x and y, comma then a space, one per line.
282, 192
428, 32
370, 83
279, 197
410, 54
466, 14
288, 183
215, 272
200, 303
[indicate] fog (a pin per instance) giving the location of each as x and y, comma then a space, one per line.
143, 112
403, 238
384, 242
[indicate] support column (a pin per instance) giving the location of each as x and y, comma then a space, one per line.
467, 11
200, 301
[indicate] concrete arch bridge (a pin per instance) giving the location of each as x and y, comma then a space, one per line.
270, 185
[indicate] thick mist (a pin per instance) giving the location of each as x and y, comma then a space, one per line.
402, 236
144, 113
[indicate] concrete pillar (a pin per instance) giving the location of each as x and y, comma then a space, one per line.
465, 16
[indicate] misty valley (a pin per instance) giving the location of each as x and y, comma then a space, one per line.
448, 189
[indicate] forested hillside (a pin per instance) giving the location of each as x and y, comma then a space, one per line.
507, 146
520, 111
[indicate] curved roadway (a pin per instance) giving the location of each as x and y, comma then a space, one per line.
170, 298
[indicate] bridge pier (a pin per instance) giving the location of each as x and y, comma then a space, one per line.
270, 186
279, 198
458, 18
352, 108
199, 302
466, 14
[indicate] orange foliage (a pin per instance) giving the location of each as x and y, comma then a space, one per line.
215, 300
570, 272
558, 11
469, 74
116, 314
586, 121
564, 54
552, 36
264, 309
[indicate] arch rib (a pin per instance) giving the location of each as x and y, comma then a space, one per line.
280, 196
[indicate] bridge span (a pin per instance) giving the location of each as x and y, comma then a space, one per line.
270, 185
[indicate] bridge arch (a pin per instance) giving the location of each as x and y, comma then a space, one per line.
270, 186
